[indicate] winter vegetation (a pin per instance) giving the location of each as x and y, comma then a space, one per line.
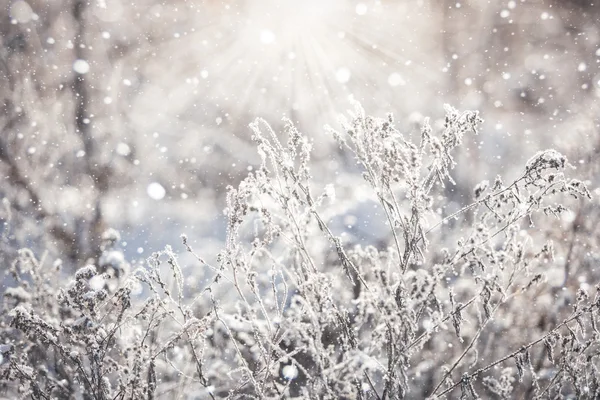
166, 234
291, 310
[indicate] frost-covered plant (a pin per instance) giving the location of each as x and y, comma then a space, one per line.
455, 302
95, 337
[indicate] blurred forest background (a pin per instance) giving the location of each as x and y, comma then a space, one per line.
134, 115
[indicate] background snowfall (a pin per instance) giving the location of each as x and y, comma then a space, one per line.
134, 115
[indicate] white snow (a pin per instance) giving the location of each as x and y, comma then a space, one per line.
156, 191
81, 67
342, 75
289, 372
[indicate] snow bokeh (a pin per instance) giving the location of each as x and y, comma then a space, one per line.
138, 113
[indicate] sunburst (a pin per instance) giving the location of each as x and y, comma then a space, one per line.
302, 59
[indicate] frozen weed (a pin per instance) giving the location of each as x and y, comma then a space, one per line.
292, 309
